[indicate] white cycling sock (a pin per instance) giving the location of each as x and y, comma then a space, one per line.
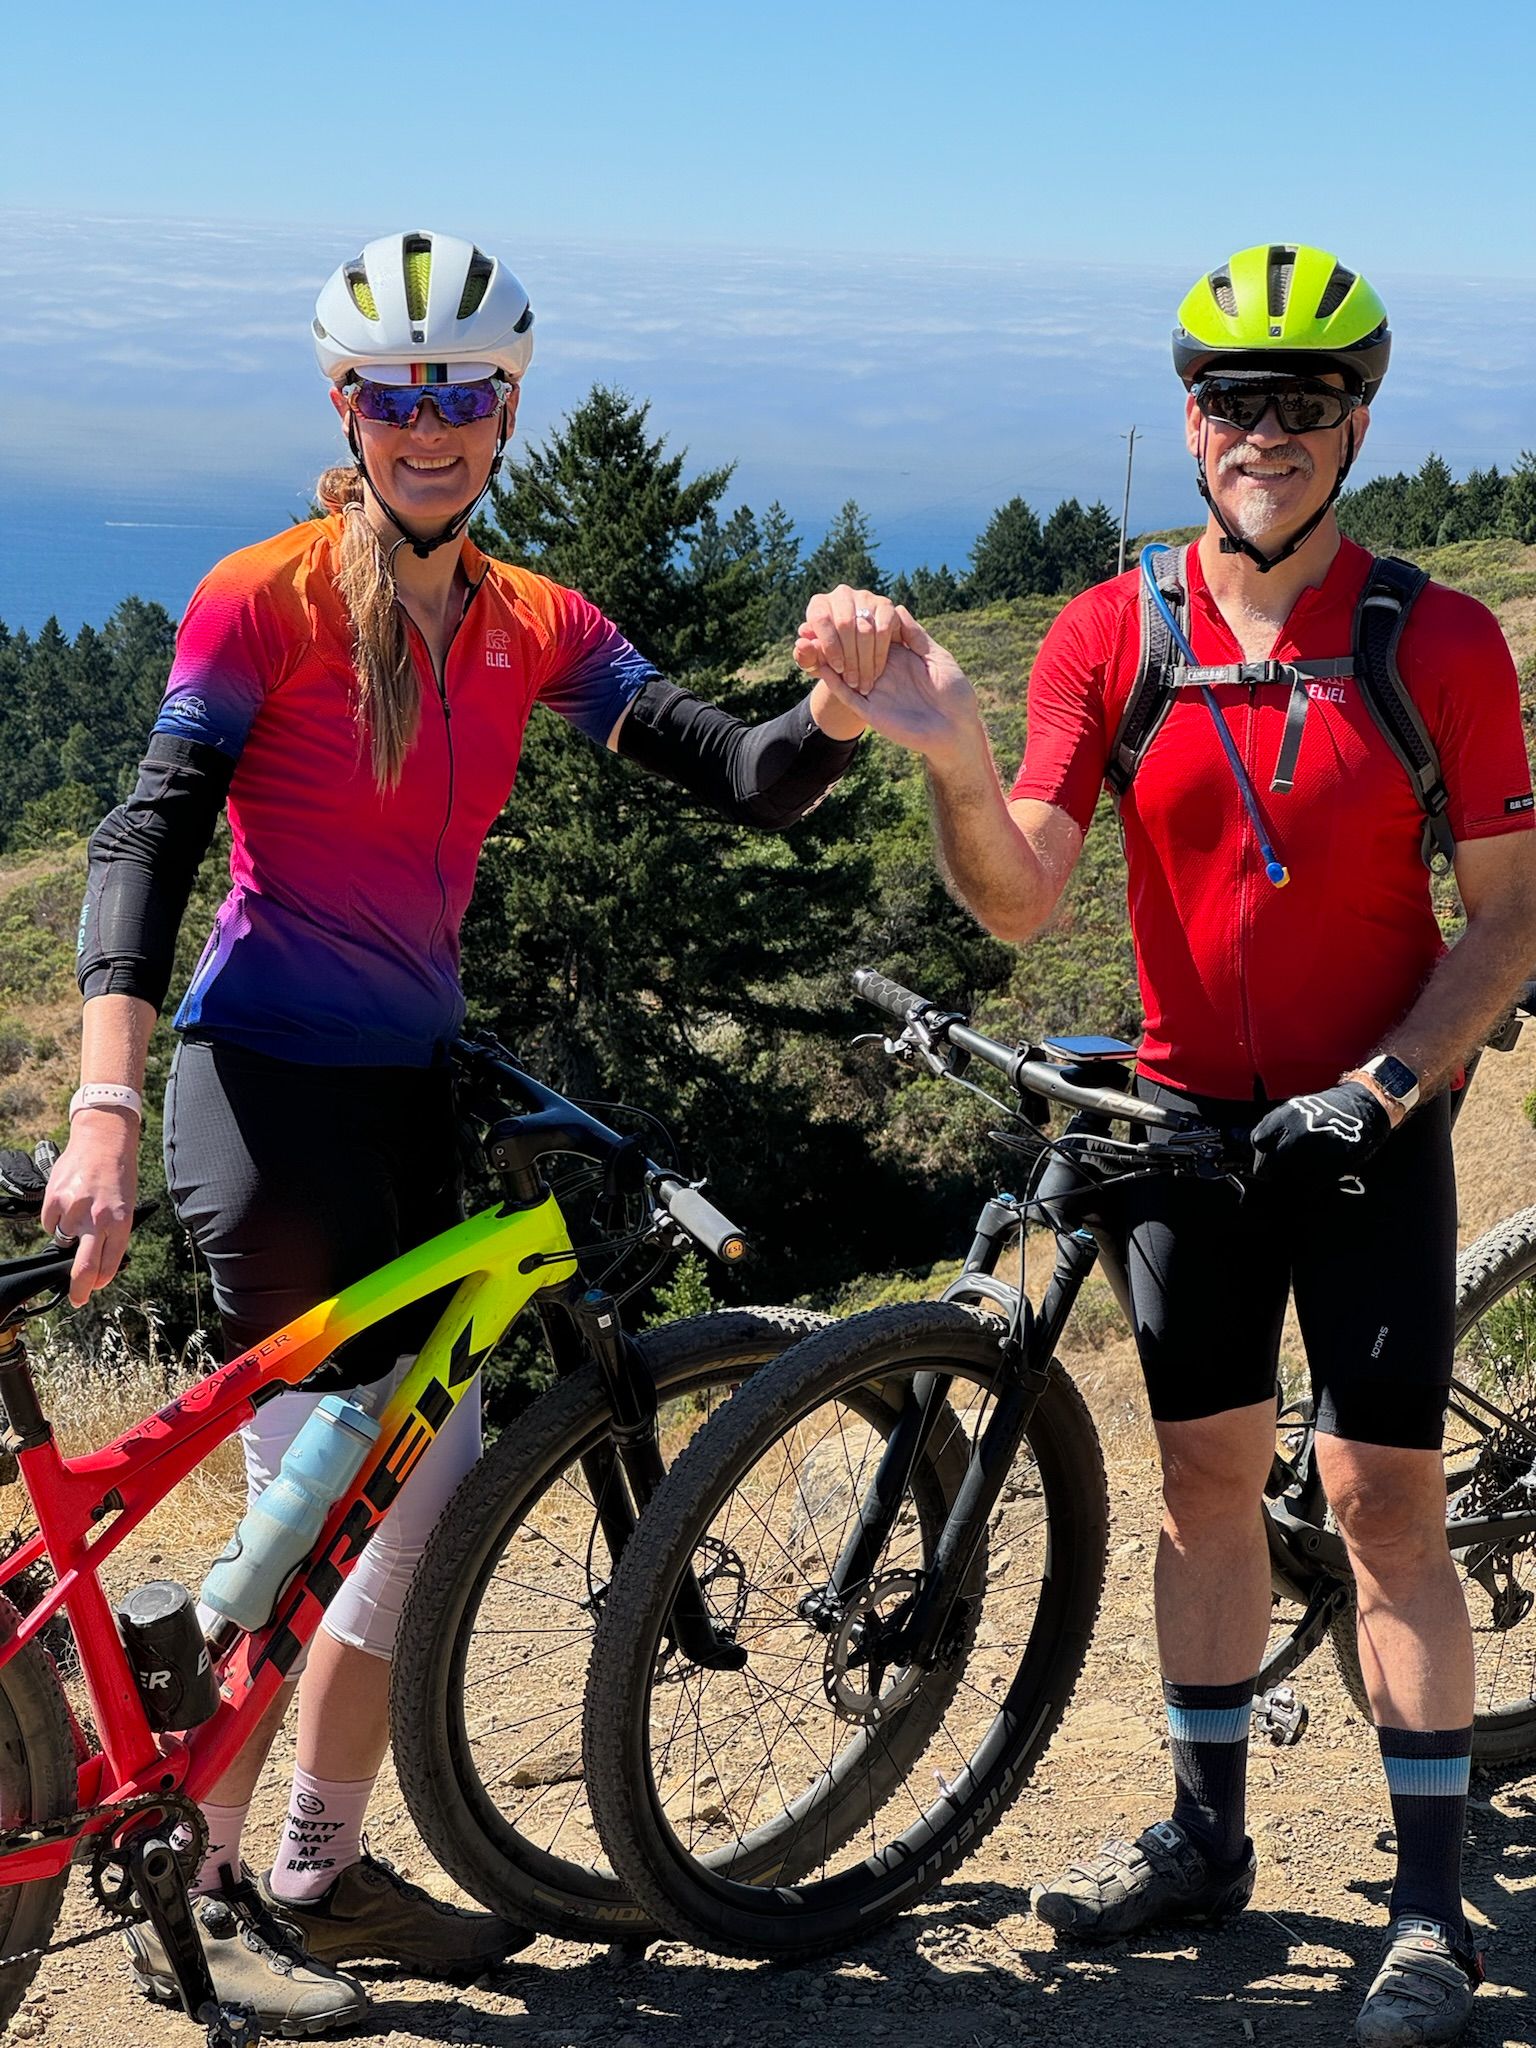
225, 1825
322, 1836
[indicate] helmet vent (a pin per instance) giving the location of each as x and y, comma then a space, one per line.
1282, 265
525, 322
477, 280
1223, 294
361, 290
417, 253
1336, 291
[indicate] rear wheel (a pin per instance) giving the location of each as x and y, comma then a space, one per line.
37, 1785
491, 1669
1490, 1459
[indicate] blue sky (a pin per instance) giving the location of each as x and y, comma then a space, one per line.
924, 257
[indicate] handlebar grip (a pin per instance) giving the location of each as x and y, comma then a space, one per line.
703, 1222
887, 995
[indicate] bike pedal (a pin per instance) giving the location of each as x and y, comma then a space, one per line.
229, 2026
1281, 1716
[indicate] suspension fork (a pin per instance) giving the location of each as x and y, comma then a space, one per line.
633, 1448
921, 1412
1025, 1373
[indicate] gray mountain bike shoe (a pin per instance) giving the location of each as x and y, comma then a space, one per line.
256, 1959
1422, 1993
371, 1911
1159, 1878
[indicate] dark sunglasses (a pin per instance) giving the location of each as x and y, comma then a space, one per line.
1300, 405
396, 405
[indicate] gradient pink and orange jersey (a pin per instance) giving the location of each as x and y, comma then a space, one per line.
338, 943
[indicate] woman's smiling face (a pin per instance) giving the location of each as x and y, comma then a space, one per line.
428, 472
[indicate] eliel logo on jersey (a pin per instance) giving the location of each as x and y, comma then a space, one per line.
497, 642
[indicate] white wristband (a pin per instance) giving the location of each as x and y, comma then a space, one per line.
107, 1095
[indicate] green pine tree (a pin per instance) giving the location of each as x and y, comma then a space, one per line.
1009, 559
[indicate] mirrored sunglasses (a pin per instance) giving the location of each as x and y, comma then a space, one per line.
396, 405
1300, 405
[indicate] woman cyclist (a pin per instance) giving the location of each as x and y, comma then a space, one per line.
356, 690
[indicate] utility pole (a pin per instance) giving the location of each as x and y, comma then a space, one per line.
1125, 509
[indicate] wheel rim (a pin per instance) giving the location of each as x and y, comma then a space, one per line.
1491, 1469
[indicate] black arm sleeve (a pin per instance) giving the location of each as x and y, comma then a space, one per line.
143, 858
768, 775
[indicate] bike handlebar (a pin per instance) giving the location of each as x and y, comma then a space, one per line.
1026, 1072
702, 1220
570, 1128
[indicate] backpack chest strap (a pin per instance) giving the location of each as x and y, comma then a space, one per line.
1253, 674
1295, 675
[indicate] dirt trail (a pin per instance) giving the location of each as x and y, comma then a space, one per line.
971, 1968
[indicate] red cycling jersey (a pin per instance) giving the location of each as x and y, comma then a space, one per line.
1250, 990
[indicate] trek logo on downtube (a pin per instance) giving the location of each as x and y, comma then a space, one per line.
409, 1446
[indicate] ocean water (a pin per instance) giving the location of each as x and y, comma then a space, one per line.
76, 558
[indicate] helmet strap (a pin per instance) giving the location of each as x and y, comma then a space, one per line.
456, 525
1234, 543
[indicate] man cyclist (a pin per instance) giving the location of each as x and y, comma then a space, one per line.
1296, 989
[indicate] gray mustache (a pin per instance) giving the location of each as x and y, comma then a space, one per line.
1242, 457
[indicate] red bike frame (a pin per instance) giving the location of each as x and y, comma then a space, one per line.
87, 1505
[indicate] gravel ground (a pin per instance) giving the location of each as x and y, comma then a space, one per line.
971, 1966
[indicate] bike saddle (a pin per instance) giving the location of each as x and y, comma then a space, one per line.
29, 1279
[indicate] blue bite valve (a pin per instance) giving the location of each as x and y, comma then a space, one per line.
1277, 873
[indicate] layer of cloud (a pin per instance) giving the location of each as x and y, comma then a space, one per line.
167, 363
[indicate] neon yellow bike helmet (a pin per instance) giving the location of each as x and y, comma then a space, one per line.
1284, 306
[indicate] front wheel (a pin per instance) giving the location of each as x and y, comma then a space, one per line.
37, 1785
793, 1803
486, 1692
1490, 1459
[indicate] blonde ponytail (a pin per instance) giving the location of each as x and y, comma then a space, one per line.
388, 694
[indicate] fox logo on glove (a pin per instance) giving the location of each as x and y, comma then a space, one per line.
1323, 1115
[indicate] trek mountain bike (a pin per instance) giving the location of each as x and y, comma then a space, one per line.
912, 1673
114, 1800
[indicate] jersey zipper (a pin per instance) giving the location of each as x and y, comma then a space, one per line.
439, 679
1244, 904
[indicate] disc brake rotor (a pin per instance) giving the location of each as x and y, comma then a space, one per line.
856, 1674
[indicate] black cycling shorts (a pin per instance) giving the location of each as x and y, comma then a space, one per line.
293, 1181
1374, 1276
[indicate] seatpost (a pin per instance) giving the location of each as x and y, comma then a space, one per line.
30, 1428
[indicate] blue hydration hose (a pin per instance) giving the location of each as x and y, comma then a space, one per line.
1275, 869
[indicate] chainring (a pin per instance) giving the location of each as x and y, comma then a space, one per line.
111, 1884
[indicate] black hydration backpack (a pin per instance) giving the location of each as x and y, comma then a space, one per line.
1390, 590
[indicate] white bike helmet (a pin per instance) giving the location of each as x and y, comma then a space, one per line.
423, 298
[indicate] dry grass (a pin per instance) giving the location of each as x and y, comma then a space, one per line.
91, 1396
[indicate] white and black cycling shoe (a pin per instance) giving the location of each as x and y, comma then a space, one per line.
1159, 1879
1422, 1994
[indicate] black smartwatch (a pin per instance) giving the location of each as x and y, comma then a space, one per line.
1393, 1078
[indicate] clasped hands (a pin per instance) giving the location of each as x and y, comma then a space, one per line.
876, 661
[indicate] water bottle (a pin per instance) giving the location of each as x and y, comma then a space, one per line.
279, 1528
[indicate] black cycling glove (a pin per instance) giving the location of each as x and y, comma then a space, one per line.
1318, 1141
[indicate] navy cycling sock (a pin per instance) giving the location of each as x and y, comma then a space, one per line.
1427, 1776
1208, 1734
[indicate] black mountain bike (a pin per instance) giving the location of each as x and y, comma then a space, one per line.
897, 1677
490, 1669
